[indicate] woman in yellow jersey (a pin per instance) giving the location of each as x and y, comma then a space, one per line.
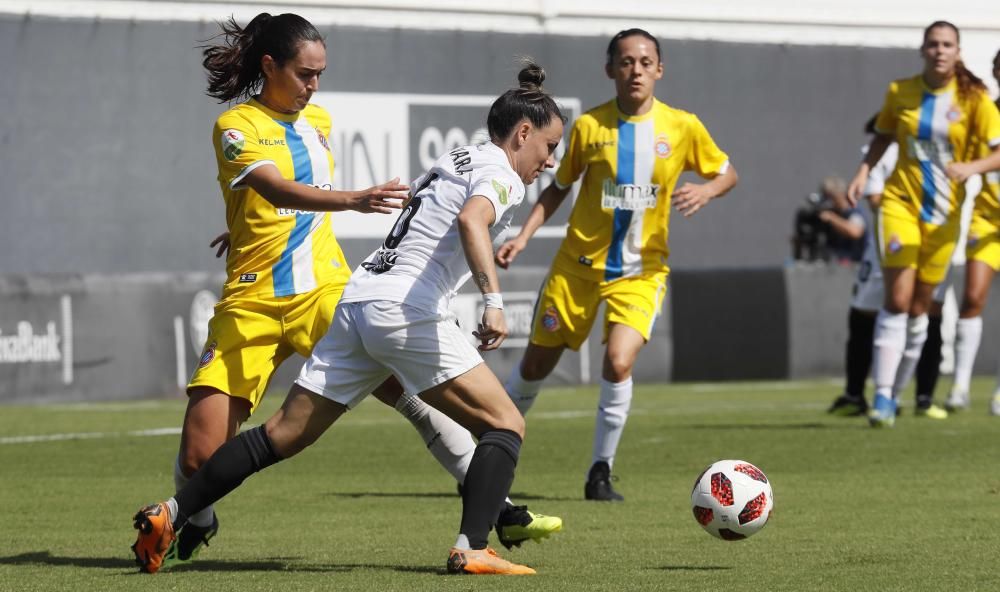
285, 269
933, 117
630, 151
983, 261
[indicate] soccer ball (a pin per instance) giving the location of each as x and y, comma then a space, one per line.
732, 499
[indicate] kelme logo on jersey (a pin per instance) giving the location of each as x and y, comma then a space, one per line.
628, 197
662, 146
502, 191
232, 143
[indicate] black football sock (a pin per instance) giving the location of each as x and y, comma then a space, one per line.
487, 483
233, 462
929, 365
861, 332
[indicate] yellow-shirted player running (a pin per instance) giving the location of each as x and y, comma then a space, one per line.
934, 118
983, 261
630, 152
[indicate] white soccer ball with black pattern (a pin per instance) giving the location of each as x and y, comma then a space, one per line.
732, 499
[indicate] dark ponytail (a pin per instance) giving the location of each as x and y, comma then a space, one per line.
528, 101
969, 85
234, 65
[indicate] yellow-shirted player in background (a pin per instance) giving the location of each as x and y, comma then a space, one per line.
630, 151
983, 256
933, 117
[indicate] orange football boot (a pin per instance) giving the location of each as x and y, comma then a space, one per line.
483, 562
156, 532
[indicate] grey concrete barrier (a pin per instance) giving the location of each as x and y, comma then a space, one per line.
136, 336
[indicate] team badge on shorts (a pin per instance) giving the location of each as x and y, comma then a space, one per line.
550, 320
208, 356
232, 143
972, 239
895, 245
662, 146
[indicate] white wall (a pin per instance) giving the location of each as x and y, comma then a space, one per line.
882, 23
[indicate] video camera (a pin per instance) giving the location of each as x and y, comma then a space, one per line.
811, 239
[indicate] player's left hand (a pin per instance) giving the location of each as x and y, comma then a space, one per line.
223, 241
959, 171
690, 198
492, 330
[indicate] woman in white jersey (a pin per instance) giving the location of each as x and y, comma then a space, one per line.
393, 319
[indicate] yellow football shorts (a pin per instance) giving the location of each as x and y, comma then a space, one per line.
984, 240
567, 306
906, 241
249, 338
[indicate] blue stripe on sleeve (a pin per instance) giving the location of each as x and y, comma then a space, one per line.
623, 218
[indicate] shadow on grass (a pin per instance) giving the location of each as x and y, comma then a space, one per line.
270, 564
516, 496
764, 426
693, 568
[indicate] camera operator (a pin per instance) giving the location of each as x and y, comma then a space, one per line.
828, 227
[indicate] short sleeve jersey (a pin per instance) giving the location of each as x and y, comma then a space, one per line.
276, 252
988, 199
932, 127
422, 262
630, 165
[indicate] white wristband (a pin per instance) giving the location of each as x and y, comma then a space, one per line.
493, 300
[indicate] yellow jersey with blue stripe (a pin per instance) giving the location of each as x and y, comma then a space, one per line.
276, 252
933, 128
988, 199
630, 165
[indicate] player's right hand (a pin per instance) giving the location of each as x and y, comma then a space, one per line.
509, 251
382, 199
223, 241
492, 330
857, 187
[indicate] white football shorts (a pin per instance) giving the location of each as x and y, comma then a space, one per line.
368, 341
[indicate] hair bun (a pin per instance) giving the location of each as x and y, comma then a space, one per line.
531, 75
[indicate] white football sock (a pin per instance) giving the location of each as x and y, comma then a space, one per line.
202, 518
887, 351
172, 509
451, 444
967, 337
916, 336
522, 392
463, 543
612, 411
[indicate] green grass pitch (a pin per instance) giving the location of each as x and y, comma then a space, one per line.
916, 507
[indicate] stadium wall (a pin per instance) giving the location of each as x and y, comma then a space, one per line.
99, 337
108, 166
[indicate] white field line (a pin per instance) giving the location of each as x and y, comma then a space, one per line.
687, 409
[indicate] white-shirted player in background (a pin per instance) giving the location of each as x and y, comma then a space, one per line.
393, 319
